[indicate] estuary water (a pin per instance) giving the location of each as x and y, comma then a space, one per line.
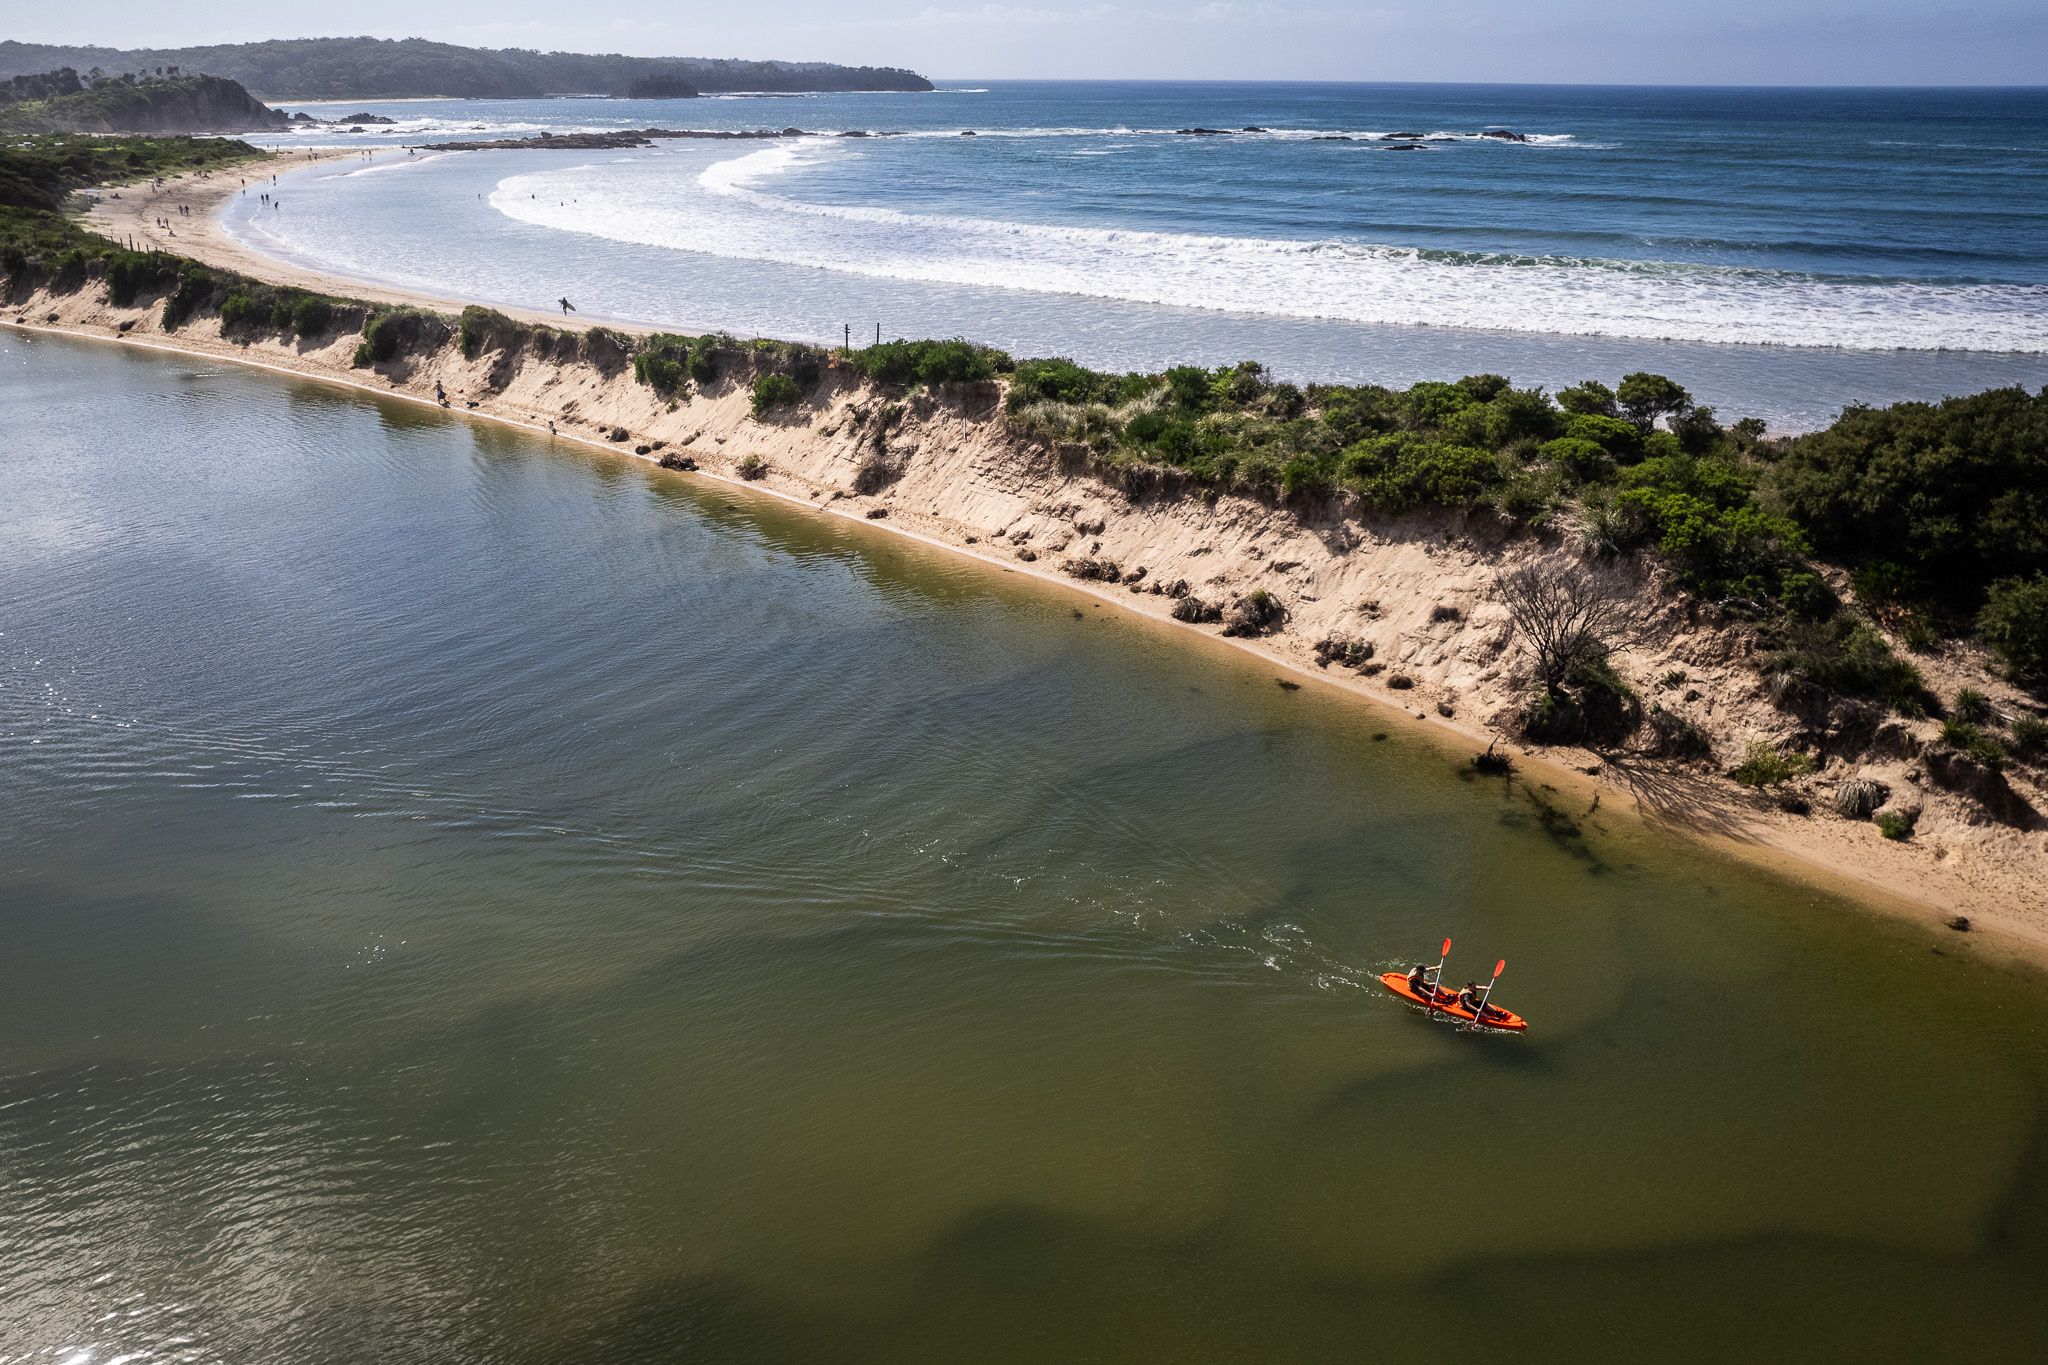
1782, 252
468, 900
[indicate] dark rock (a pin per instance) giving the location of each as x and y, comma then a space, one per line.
619, 434
1254, 128
1195, 611
1333, 649
1135, 575
1027, 555
1503, 135
1203, 132
877, 513
1444, 611
970, 133
1092, 570
1959, 923
677, 460
1446, 710
125, 325
1404, 147
1403, 137
1286, 686
1332, 137
377, 119
1400, 682
1792, 803
643, 450
1255, 613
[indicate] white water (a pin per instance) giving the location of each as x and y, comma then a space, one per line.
726, 211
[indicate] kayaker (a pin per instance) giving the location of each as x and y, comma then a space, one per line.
1419, 982
1470, 998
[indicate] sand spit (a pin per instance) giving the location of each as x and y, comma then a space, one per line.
942, 468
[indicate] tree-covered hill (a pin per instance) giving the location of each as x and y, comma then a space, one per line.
59, 102
373, 68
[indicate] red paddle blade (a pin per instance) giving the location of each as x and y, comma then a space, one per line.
1446, 950
1499, 967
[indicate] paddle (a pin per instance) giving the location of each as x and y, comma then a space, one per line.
1480, 1013
1436, 987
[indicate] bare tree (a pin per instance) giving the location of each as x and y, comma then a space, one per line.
1563, 616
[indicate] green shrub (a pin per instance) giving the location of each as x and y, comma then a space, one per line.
1398, 472
1591, 398
391, 331
1766, 765
196, 288
243, 310
773, 391
1843, 656
928, 362
1954, 495
1580, 460
1970, 706
751, 467
2014, 622
131, 273
1893, 825
663, 370
2030, 736
1971, 739
311, 315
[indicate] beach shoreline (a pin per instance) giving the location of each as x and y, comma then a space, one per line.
953, 506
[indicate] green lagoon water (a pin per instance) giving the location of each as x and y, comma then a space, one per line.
467, 901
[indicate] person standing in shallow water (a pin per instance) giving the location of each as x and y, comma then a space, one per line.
567, 307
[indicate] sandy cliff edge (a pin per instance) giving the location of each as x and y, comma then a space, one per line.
1417, 588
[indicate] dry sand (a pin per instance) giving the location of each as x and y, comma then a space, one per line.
1416, 588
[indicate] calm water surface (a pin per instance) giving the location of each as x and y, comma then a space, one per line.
465, 901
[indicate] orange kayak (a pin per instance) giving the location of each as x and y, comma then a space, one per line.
1447, 1004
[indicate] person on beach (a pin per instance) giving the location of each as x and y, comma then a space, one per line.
440, 394
567, 307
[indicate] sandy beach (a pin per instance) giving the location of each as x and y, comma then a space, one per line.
1418, 588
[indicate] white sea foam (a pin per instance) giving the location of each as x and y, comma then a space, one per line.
723, 211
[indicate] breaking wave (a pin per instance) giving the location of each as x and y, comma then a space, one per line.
724, 211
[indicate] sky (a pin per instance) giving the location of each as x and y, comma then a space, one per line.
1762, 42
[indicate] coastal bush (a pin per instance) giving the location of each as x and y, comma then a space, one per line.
2030, 737
196, 289
1970, 706
390, 332
1590, 705
1969, 738
1893, 824
663, 363
1766, 765
927, 362
242, 310
311, 315
1843, 656
130, 274
751, 467
1950, 497
773, 391
1701, 516
2014, 622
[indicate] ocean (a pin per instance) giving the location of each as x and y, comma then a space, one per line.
1784, 251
